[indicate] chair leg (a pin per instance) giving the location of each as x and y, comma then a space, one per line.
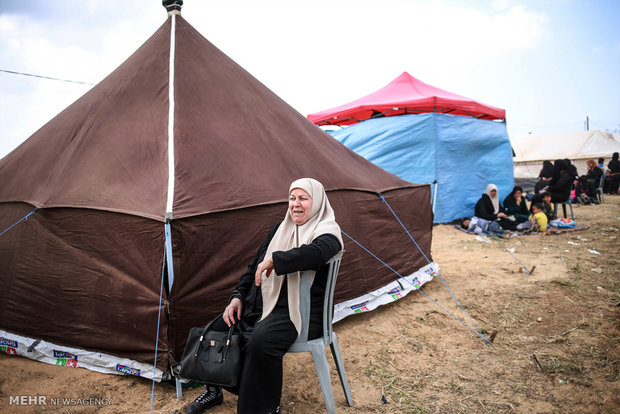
564, 209
178, 387
555, 209
322, 370
340, 366
572, 216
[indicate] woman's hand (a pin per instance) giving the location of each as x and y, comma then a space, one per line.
501, 215
265, 265
233, 309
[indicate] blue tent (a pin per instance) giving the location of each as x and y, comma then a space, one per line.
460, 154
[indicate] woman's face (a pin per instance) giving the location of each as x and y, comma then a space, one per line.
518, 194
493, 193
299, 206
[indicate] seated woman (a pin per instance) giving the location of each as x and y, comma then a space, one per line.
514, 205
488, 208
587, 184
560, 185
265, 304
545, 175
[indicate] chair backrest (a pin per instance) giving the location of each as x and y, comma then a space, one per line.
328, 302
601, 183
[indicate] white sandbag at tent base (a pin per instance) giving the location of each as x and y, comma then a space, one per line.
66, 356
70, 357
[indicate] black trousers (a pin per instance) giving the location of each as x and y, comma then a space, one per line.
261, 379
267, 342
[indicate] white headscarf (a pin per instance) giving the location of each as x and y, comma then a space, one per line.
494, 200
288, 236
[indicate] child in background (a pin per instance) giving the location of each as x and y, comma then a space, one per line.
539, 216
547, 208
537, 221
482, 226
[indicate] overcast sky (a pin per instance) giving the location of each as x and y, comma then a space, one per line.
549, 63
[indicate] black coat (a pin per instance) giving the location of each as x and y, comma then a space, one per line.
547, 170
311, 256
595, 174
512, 208
484, 208
560, 189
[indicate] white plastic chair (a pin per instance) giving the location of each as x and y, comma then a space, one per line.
317, 346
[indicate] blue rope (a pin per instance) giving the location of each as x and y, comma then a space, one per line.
161, 292
403, 226
421, 291
527, 271
429, 262
19, 221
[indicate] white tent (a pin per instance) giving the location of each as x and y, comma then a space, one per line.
532, 149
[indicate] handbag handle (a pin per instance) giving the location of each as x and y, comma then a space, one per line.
204, 332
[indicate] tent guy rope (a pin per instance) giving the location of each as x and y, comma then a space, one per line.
19, 221
161, 292
429, 262
417, 288
527, 271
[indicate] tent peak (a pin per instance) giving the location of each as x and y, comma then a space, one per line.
172, 6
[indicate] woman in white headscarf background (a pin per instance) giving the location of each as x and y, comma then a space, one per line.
489, 208
265, 304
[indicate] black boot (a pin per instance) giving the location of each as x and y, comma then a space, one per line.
211, 397
276, 410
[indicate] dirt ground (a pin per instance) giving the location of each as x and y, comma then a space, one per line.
556, 347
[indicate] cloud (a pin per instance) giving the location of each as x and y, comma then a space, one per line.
314, 54
349, 48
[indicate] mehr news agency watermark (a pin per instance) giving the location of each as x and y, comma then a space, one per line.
43, 400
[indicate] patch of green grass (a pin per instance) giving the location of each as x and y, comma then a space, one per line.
564, 283
561, 365
398, 390
402, 402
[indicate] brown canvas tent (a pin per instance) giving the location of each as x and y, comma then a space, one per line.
82, 276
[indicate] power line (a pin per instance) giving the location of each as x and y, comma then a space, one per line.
45, 77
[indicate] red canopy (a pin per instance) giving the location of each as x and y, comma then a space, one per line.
405, 95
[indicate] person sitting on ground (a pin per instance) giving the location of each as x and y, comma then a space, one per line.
545, 175
539, 216
265, 305
537, 221
481, 226
547, 207
515, 205
489, 208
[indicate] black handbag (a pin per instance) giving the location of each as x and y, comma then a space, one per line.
211, 357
